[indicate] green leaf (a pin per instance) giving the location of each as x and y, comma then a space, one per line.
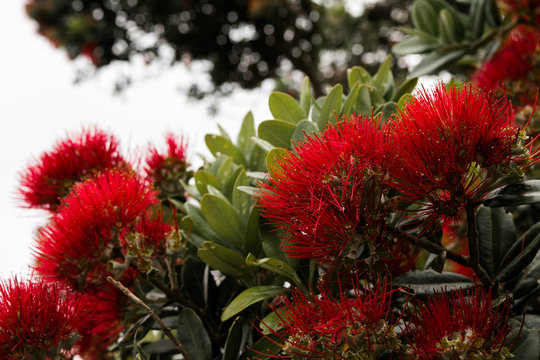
527, 192
303, 129
223, 219
351, 100
276, 266
383, 80
331, 107
426, 282
233, 344
229, 262
160, 347
520, 254
193, 335
225, 171
272, 320
285, 108
358, 74
433, 63
241, 200
527, 346
220, 145
202, 179
414, 44
252, 239
477, 15
274, 157
424, 17
200, 225
228, 187
247, 131
196, 281
363, 104
496, 235
267, 347
249, 297
406, 88
250, 190
276, 132
403, 101
305, 96
257, 157
450, 28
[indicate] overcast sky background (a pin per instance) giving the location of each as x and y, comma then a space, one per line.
39, 104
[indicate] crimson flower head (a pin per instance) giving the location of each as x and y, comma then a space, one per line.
509, 70
524, 10
46, 182
320, 325
329, 190
166, 169
451, 147
87, 240
37, 319
454, 326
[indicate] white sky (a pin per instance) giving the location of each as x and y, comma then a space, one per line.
39, 104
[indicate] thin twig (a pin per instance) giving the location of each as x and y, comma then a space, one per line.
165, 328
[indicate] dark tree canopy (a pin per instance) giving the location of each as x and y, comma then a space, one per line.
246, 41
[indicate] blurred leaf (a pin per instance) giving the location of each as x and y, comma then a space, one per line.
383, 80
424, 17
527, 345
305, 96
527, 192
193, 336
247, 131
202, 179
415, 45
478, 17
496, 235
351, 100
406, 88
228, 261
250, 190
241, 200
331, 107
285, 108
433, 63
220, 145
223, 219
450, 28
160, 347
357, 74
229, 186
252, 240
233, 343
249, 297
276, 132
363, 104
426, 282
520, 254
303, 129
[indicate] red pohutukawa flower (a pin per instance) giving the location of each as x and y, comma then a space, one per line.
451, 146
327, 194
37, 319
355, 326
166, 169
524, 10
98, 224
454, 326
45, 183
509, 69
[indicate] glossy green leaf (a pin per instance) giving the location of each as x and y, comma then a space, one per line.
276, 266
250, 190
200, 225
496, 235
363, 103
276, 132
193, 336
225, 171
383, 80
520, 254
433, 63
271, 322
406, 88
424, 17
351, 100
257, 158
233, 344
247, 131
220, 145
331, 108
249, 297
357, 74
267, 347
223, 219
305, 96
428, 281
403, 101
527, 192
229, 186
252, 239
229, 262
414, 45
285, 108
274, 157
202, 179
304, 128
241, 200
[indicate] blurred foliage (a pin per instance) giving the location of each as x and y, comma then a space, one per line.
246, 41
